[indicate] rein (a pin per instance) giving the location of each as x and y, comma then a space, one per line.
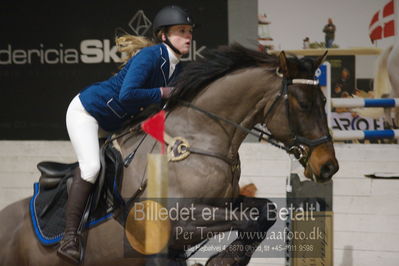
236, 125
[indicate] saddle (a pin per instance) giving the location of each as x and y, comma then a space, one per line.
52, 173
47, 205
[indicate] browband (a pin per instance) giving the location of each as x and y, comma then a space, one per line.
299, 81
305, 81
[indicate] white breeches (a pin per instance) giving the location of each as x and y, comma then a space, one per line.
83, 130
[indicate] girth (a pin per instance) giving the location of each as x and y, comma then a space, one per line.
179, 149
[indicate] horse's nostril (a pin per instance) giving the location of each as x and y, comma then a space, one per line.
328, 170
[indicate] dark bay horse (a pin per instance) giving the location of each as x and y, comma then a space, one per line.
216, 101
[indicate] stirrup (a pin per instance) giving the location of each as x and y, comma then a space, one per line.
64, 252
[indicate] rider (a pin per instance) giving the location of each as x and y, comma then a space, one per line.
106, 106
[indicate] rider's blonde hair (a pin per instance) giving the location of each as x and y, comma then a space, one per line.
130, 45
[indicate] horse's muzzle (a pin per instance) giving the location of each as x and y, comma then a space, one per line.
327, 171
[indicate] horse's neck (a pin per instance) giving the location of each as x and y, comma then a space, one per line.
239, 97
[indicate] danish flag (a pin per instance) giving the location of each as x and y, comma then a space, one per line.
382, 24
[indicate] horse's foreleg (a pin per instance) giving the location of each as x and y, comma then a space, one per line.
240, 251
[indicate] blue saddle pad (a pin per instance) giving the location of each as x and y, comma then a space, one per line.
49, 228
48, 220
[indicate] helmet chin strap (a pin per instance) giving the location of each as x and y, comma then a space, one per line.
167, 41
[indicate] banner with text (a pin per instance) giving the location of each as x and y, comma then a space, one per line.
48, 53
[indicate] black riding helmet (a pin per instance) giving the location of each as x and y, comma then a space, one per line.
169, 16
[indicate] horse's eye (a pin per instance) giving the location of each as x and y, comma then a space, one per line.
324, 100
305, 106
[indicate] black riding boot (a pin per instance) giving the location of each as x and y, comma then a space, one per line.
70, 245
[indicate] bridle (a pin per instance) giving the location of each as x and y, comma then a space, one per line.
297, 145
300, 147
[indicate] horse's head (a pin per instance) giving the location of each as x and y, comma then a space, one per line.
298, 117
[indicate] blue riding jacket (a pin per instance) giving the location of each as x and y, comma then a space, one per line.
128, 92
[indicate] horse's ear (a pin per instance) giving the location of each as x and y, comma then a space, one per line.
283, 68
321, 59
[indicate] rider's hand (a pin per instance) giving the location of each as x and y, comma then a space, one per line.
166, 92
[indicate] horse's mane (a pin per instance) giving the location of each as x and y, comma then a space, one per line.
217, 63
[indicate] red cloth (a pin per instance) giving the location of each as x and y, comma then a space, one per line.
155, 126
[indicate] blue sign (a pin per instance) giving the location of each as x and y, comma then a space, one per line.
321, 75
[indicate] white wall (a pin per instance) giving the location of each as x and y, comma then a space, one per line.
18, 160
293, 20
366, 212
243, 31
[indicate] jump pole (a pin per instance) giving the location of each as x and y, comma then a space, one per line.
340, 135
364, 102
317, 202
157, 229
